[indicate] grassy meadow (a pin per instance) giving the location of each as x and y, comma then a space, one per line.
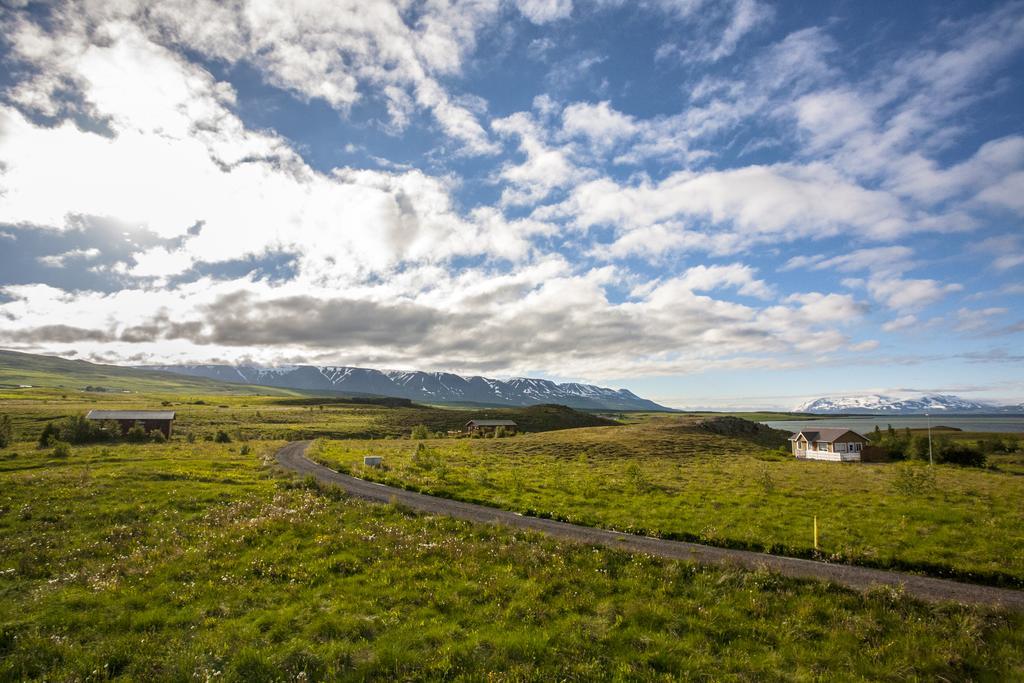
186, 561
255, 416
196, 560
669, 478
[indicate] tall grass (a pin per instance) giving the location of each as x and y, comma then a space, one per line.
676, 481
192, 561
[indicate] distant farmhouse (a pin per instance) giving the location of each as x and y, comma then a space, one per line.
490, 426
151, 420
840, 445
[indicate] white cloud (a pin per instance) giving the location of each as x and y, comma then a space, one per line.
708, 278
1008, 250
893, 260
901, 323
179, 157
59, 260
545, 169
544, 11
599, 123
903, 294
160, 262
782, 202
975, 320
334, 51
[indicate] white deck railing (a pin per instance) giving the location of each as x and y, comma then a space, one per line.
829, 455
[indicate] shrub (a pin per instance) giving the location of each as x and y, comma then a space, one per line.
190, 437
61, 449
6, 431
49, 434
222, 437
499, 432
420, 432
244, 450
766, 480
137, 434
636, 477
77, 430
914, 480
961, 454
919, 447
158, 436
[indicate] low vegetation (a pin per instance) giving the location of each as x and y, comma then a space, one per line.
187, 561
941, 447
675, 479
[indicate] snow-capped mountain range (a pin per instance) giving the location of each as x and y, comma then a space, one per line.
875, 403
433, 387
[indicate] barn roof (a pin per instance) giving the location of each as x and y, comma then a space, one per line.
827, 435
492, 423
130, 415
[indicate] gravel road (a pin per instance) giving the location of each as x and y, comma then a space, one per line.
292, 457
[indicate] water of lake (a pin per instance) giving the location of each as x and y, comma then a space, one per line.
968, 423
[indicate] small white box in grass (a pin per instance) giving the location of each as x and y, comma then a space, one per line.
372, 460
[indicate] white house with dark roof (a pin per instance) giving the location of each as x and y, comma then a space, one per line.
836, 444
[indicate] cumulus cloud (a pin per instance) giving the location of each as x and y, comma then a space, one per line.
334, 53
544, 11
545, 169
59, 260
903, 294
111, 118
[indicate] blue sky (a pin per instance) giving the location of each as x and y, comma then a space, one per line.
713, 204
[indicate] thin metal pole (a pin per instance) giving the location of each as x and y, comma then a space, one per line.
930, 460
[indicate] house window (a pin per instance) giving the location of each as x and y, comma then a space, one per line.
855, 447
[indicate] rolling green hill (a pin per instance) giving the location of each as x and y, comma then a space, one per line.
18, 369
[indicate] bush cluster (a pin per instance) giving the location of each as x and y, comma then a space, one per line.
6, 431
77, 430
904, 445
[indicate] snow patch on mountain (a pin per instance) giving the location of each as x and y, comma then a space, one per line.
877, 403
438, 387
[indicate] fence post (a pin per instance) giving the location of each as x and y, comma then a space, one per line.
815, 533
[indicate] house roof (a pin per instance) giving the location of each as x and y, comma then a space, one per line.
492, 423
130, 415
827, 435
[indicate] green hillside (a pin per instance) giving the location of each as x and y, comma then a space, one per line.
50, 372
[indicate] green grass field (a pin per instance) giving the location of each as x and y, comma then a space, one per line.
198, 560
671, 479
192, 561
253, 416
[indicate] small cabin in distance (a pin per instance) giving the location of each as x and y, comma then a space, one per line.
837, 444
151, 420
490, 426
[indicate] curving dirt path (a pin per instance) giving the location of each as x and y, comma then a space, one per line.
293, 457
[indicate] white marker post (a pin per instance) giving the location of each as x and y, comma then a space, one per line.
930, 460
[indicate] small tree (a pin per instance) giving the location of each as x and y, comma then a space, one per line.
61, 449
49, 435
222, 437
420, 432
136, 434
6, 431
499, 432
919, 447
961, 454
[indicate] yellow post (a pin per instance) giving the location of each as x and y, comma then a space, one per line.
815, 532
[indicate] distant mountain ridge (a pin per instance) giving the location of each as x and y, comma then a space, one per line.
436, 387
876, 403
